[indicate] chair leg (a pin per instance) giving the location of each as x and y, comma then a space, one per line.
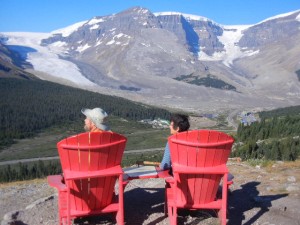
167, 186
166, 204
120, 218
60, 222
222, 216
224, 203
64, 221
172, 213
62, 207
166, 209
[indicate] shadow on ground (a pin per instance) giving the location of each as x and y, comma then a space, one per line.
247, 198
144, 202
146, 206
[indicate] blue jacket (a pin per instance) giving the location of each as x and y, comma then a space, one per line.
166, 161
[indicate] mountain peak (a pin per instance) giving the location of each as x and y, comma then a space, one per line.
140, 53
297, 16
187, 16
66, 31
136, 10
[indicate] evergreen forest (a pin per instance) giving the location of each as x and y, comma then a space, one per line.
28, 106
208, 81
275, 137
23, 171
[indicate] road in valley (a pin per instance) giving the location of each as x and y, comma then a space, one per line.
231, 120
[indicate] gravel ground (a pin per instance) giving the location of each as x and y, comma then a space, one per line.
261, 196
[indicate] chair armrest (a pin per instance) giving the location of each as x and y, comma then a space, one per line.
75, 175
56, 181
221, 169
163, 173
170, 180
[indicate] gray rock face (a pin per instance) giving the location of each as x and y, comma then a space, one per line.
208, 33
271, 31
103, 28
183, 30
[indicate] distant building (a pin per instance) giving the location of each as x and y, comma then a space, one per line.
210, 115
247, 118
165, 122
157, 123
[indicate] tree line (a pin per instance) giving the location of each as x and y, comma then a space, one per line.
28, 106
208, 81
292, 110
23, 171
41, 169
275, 137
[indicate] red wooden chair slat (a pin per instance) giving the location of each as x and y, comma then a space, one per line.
91, 166
199, 163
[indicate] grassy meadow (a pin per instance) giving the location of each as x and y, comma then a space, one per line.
140, 136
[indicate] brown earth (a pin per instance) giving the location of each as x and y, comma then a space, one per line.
262, 196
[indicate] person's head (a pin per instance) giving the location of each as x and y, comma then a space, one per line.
179, 123
95, 119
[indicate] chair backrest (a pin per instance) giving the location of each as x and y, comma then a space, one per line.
198, 149
91, 151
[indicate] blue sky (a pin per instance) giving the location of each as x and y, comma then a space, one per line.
49, 15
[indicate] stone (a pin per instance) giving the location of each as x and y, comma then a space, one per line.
11, 215
292, 187
291, 179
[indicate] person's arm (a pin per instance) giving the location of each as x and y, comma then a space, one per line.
166, 161
164, 164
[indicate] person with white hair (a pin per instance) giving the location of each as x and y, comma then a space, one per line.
95, 120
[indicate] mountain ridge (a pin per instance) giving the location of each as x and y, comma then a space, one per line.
137, 54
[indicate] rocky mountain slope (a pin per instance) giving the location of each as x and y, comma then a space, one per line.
142, 56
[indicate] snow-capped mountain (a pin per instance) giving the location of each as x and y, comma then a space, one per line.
172, 59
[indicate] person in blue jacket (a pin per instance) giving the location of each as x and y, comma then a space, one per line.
178, 123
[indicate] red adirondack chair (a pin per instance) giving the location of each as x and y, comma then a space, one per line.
91, 167
199, 163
